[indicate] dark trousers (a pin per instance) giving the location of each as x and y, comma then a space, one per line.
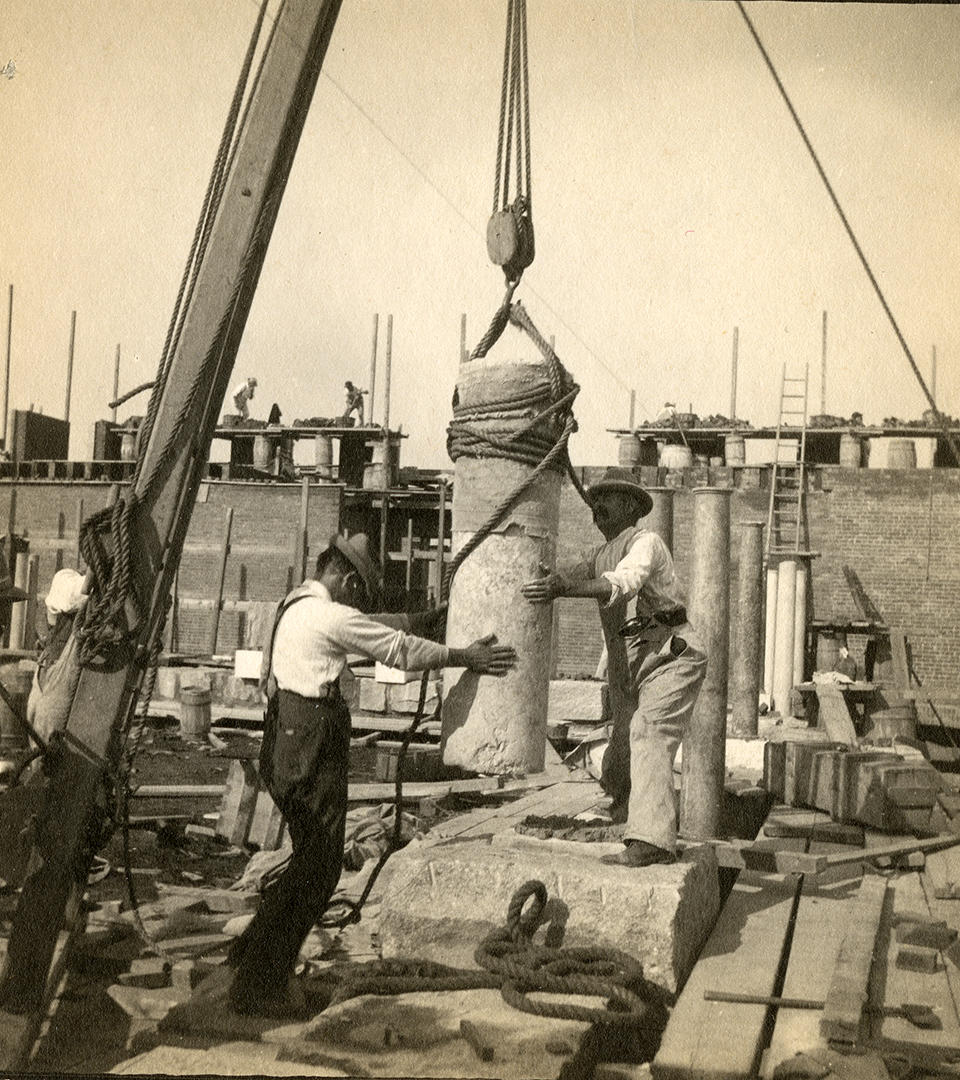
310, 760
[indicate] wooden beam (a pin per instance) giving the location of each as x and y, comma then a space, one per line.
845, 1018
172, 468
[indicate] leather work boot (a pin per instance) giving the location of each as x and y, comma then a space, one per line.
638, 853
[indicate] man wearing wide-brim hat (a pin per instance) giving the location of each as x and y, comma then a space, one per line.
305, 752
655, 664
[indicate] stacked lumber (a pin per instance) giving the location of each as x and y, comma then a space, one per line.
873, 787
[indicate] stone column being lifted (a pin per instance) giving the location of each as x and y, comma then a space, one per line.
498, 725
660, 518
748, 632
704, 742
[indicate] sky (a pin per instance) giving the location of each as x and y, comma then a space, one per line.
673, 201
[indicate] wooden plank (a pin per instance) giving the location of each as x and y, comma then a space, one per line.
901, 666
712, 1039
844, 1019
818, 931
931, 989
834, 714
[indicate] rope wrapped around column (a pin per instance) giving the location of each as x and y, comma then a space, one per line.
512, 421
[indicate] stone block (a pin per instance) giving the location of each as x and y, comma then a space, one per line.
449, 1033
404, 697
440, 901
574, 699
372, 696
167, 686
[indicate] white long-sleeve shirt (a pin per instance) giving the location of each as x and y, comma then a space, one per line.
315, 635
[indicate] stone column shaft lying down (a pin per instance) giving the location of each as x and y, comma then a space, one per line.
493, 725
770, 629
783, 646
660, 518
704, 742
748, 632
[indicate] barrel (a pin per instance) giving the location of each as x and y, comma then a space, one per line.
734, 449
128, 446
676, 457
262, 453
194, 711
851, 451
323, 456
628, 451
16, 681
901, 454
899, 721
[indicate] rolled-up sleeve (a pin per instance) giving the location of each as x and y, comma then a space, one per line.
631, 573
357, 633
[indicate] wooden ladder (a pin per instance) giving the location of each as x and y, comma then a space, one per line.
785, 516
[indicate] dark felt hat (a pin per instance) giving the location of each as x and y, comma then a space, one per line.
357, 549
624, 482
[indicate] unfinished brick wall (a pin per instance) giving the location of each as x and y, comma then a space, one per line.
260, 566
899, 530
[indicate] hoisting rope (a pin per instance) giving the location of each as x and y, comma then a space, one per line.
938, 416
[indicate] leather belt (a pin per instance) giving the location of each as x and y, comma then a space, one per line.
665, 618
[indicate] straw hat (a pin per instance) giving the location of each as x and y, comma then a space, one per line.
357, 550
624, 482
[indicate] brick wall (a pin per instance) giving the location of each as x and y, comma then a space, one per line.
899, 530
260, 566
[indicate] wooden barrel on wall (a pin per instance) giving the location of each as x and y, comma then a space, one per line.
901, 454
676, 457
194, 711
734, 449
851, 451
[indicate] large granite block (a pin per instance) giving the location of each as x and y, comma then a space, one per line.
574, 699
439, 901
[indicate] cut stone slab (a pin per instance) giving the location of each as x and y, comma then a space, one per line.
439, 901
574, 699
421, 1035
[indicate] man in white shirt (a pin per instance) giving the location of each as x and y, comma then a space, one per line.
305, 754
241, 395
655, 663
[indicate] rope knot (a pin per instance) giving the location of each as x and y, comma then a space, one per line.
522, 927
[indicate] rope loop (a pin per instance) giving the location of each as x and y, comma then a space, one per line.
522, 927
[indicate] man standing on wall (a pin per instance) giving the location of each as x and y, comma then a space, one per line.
304, 758
243, 394
655, 663
355, 401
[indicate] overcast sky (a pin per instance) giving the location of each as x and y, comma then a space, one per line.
673, 200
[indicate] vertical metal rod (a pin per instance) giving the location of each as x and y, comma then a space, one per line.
6, 369
441, 539
388, 360
61, 534
409, 553
633, 408
463, 337
704, 741
747, 632
73, 335
733, 373
373, 367
303, 540
79, 557
933, 372
384, 513
823, 366
30, 605
171, 627
116, 383
214, 629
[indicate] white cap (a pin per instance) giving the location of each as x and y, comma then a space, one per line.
66, 593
